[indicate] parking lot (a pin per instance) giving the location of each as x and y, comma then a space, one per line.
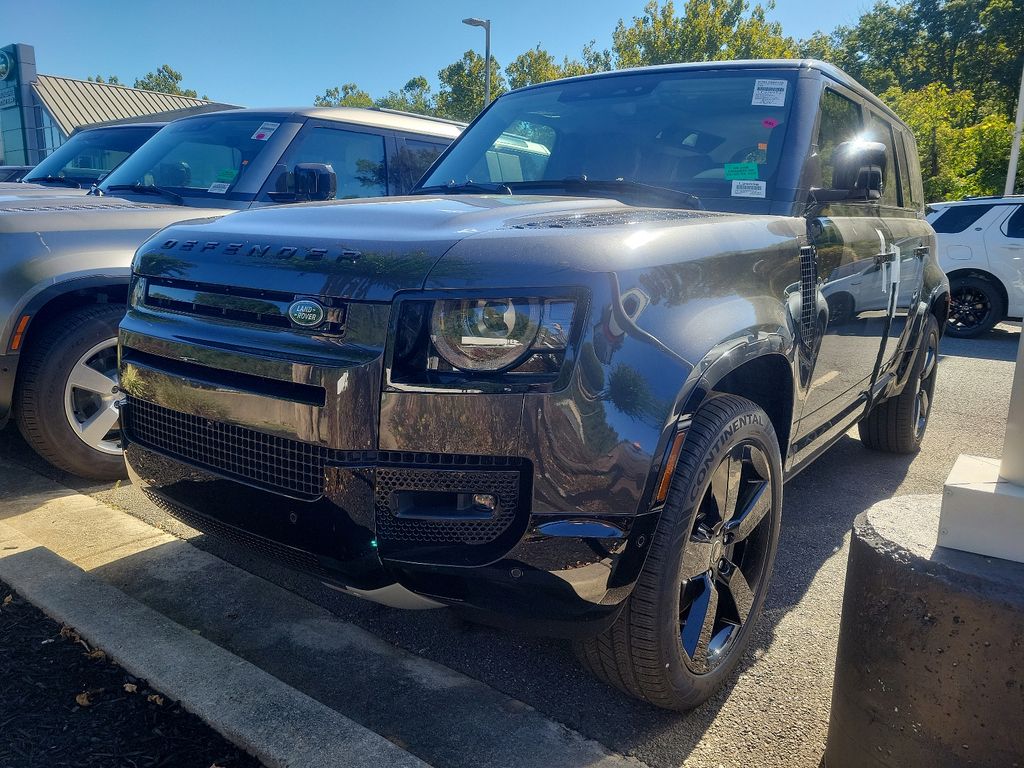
453, 693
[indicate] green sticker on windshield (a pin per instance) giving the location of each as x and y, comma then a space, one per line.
734, 171
227, 174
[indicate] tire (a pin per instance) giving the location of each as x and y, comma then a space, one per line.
897, 425
730, 453
976, 305
59, 406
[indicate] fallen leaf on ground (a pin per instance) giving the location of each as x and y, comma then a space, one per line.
8, 600
130, 687
69, 634
156, 698
83, 699
96, 653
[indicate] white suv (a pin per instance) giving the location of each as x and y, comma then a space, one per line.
981, 248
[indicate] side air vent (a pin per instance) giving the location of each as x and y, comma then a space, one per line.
808, 293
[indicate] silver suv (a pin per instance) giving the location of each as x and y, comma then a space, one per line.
64, 261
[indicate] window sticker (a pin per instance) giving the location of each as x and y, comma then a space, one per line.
266, 130
743, 188
740, 171
220, 188
226, 175
769, 93
770, 122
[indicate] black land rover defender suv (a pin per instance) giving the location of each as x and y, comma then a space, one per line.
562, 384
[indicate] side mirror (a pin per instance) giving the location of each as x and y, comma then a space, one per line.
859, 169
315, 181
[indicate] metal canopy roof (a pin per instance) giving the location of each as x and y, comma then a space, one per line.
77, 103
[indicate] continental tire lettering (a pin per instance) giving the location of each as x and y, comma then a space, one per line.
724, 437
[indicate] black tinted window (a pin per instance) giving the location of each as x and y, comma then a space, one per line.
414, 157
1015, 226
840, 121
880, 130
957, 218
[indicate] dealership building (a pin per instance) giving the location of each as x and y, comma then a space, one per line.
39, 112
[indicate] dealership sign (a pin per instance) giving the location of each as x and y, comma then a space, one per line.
8, 97
6, 65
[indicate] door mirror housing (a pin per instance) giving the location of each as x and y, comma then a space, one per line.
859, 169
315, 181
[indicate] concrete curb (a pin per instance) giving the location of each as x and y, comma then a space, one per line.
279, 725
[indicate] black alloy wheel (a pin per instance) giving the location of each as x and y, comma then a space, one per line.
724, 560
975, 307
686, 625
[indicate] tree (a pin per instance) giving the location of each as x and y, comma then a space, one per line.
538, 66
708, 30
165, 80
415, 96
961, 152
348, 95
461, 94
111, 79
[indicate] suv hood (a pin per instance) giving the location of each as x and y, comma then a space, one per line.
16, 190
371, 249
63, 213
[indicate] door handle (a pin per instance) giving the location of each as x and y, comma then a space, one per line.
882, 258
921, 252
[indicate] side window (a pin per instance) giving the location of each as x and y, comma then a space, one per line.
1015, 226
840, 121
880, 130
913, 190
357, 159
908, 201
957, 218
414, 157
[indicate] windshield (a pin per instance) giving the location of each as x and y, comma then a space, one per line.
715, 134
89, 156
196, 156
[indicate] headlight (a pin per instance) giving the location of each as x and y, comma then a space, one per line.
477, 342
485, 334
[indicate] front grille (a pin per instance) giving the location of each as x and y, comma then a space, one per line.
290, 556
286, 466
242, 305
393, 528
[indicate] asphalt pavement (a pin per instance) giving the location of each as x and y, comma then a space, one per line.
775, 712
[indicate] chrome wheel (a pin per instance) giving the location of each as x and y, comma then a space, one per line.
90, 395
724, 564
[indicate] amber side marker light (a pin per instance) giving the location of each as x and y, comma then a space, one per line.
670, 466
19, 332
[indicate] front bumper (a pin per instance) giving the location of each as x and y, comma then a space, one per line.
365, 522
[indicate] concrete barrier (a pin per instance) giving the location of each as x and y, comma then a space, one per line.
930, 668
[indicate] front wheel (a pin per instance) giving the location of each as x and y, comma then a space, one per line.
685, 627
67, 392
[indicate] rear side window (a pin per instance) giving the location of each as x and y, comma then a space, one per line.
1015, 226
880, 130
957, 218
913, 190
840, 121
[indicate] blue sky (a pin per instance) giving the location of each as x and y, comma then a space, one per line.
264, 52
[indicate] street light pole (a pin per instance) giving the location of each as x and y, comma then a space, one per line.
486, 24
1011, 171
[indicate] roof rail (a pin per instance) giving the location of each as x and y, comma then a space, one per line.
417, 114
991, 197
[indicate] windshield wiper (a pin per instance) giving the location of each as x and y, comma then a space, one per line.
53, 180
634, 189
466, 187
145, 189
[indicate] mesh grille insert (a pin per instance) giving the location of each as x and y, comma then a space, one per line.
284, 465
392, 528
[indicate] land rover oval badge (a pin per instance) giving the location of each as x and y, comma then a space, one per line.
5, 65
306, 312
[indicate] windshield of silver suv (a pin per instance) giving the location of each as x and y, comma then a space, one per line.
87, 157
713, 135
209, 157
